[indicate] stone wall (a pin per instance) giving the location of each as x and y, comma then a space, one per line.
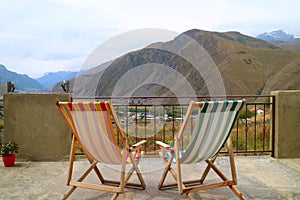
287, 124
35, 123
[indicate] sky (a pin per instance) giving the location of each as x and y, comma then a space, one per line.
40, 36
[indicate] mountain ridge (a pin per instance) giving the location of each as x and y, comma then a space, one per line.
248, 66
278, 35
22, 81
282, 39
49, 79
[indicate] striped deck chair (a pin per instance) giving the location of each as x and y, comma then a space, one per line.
214, 123
92, 125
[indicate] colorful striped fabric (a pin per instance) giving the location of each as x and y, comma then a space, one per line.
214, 123
93, 123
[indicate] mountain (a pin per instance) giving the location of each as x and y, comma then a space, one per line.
247, 66
278, 35
22, 82
282, 39
292, 45
51, 78
83, 79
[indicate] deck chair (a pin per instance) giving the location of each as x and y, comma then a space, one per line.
214, 122
96, 130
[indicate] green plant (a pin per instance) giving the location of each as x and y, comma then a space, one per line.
1, 123
9, 148
248, 113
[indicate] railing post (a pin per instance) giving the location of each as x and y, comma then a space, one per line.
273, 126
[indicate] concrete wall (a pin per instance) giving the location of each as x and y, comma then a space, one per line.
35, 123
287, 124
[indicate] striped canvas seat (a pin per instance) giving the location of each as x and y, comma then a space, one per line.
213, 124
95, 128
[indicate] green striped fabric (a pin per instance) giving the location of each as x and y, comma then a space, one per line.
213, 126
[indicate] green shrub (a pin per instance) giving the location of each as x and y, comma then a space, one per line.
1, 124
249, 114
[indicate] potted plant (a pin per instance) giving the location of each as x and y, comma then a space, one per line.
8, 151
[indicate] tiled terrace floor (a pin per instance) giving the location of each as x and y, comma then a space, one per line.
258, 178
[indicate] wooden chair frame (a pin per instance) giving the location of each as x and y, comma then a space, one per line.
186, 187
115, 186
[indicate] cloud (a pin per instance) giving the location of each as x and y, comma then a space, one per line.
59, 34
37, 66
126, 42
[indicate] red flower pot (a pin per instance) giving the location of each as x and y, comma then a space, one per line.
9, 161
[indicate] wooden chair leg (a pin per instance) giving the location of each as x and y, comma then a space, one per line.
69, 192
99, 175
115, 196
71, 161
140, 177
70, 171
207, 169
189, 196
135, 168
237, 192
231, 160
165, 172
84, 175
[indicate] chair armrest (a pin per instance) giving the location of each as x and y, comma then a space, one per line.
162, 144
137, 145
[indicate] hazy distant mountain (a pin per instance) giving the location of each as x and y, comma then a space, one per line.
248, 66
83, 77
279, 35
51, 78
22, 81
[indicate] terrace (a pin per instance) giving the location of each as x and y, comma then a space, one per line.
267, 172
259, 177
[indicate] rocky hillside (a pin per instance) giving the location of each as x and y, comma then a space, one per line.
293, 45
247, 65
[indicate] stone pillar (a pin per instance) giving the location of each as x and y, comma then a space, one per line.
287, 124
35, 123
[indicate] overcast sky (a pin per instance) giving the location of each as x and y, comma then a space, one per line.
39, 36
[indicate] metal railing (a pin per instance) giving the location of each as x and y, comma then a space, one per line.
159, 118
